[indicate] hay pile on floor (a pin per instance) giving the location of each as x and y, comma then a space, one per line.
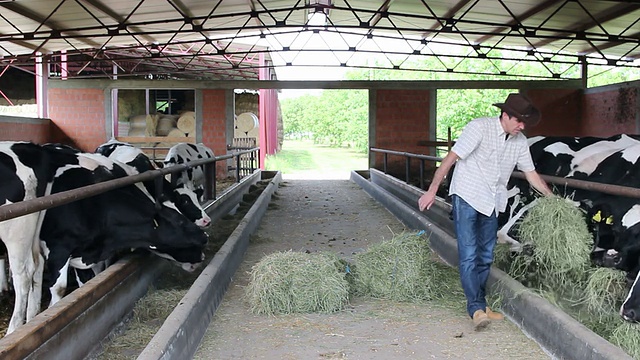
400, 269
560, 244
297, 282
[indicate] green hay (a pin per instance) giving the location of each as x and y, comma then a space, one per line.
561, 241
605, 290
149, 314
627, 337
296, 282
399, 269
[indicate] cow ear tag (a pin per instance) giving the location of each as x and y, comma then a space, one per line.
609, 220
597, 217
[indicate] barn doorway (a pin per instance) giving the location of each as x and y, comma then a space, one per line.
325, 134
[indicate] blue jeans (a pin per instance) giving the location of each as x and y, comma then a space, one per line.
476, 235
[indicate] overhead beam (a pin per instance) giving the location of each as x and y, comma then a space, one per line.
53, 25
342, 84
602, 17
448, 15
98, 5
519, 19
606, 45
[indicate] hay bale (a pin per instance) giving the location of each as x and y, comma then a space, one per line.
137, 132
187, 122
138, 121
297, 282
401, 269
175, 132
246, 122
166, 123
151, 125
558, 234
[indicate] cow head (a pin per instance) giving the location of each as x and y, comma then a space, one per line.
630, 309
187, 203
178, 239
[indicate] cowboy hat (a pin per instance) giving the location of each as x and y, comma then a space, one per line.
519, 106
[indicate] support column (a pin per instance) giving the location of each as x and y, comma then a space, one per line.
42, 88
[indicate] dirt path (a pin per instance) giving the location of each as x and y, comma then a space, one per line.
336, 215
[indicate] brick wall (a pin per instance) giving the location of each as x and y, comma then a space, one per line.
78, 116
214, 125
402, 120
14, 128
611, 111
560, 110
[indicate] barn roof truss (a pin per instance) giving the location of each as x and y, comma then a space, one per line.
224, 39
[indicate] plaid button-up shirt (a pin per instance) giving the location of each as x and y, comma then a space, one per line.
486, 162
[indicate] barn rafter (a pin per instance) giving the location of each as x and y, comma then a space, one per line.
186, 36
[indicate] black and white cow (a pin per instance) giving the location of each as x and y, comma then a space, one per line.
24, 174
184, 197
95, 229
182, 153
570, 157
87, 231
614, 220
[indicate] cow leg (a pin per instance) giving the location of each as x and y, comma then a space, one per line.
59, 287
18, 235
35, 293
4, 281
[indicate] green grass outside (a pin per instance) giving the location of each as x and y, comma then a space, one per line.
299, 156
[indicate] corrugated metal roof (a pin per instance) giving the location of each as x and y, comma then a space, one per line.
222, 39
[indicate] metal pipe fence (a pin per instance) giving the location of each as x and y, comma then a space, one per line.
21, 208
573, 183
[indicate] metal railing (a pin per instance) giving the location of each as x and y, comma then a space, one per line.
21, 208
556, 180
246, 163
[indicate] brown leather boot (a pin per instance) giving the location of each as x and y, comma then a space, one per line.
494, 315
480, 320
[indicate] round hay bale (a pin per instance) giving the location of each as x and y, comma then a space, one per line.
138, 121
557, 231
297, 282
175, 132
246, 122
399, 269
187, 122
137, 132
166, 123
